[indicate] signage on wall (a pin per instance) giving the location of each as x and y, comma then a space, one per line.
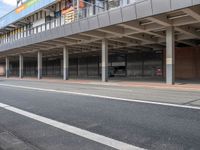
26, 5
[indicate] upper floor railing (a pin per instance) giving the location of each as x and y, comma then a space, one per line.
70, 15
22, 11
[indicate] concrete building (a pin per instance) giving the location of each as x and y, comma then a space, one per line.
126, 39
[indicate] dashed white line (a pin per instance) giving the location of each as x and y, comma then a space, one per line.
101, 96
74, 130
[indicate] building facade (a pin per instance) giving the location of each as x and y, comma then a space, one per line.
112, 39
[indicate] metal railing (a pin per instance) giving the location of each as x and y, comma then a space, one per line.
75, 14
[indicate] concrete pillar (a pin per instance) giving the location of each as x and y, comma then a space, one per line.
39, 60
104, 60
7, 67
65, 63
78, 9
21, 66
170, 56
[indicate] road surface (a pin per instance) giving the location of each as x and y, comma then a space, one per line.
35, 118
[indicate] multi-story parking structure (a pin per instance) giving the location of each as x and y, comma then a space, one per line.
115, 39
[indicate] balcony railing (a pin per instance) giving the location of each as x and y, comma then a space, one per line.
74, 14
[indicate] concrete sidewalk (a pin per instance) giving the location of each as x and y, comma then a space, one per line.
182, 94
157, 84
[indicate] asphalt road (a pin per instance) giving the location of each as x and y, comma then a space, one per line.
143, 125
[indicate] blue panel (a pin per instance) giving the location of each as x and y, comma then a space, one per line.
13, 16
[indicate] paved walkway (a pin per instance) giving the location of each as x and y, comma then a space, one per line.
180, 85
182, 94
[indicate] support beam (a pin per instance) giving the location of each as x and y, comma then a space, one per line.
21, 66
65, 63
94, 34
162, 20
188, 30
193, 13
7, 67
104, 60
39, 60
189, 43
116, 30
170, 56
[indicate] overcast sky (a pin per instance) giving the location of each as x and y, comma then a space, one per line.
6, 6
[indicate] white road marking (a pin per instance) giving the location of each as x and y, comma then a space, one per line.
74, 130
101, 96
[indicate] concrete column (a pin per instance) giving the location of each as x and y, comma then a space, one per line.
39, 60
65, 63
170, 56
7, 67
21, 66
78, 9
104, 60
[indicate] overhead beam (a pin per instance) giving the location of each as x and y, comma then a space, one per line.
162, 20
143, 37
115, 30
187, 43
123, 40
95, 34
80, 37
138, 28
193, 13
188, 31
166, 22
